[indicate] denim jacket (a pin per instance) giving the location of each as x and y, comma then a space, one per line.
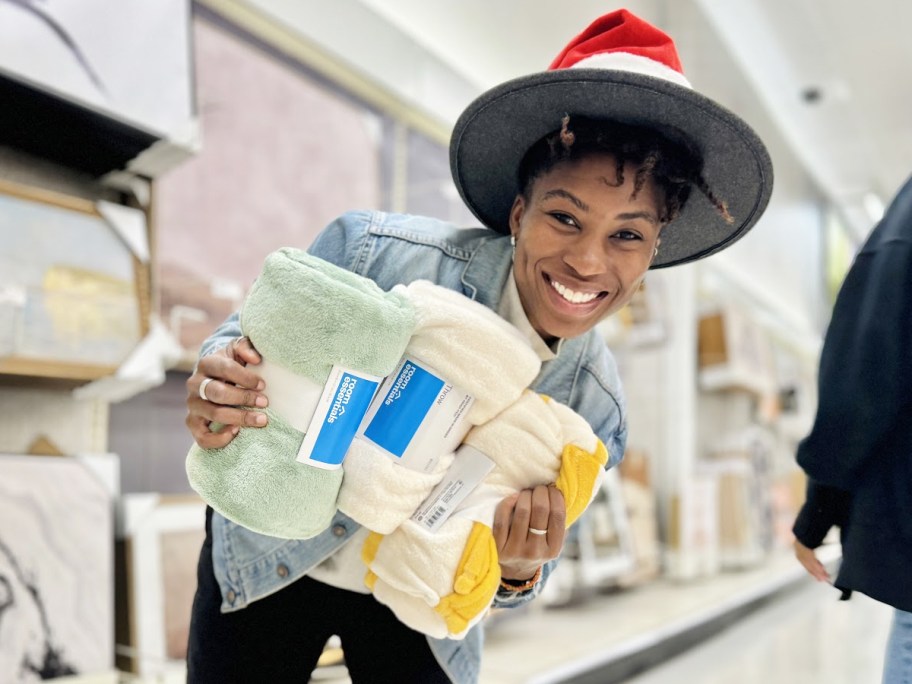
392, 249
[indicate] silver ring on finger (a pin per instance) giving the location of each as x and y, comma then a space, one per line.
202, 388
537, 532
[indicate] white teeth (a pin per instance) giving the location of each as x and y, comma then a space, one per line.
572, 296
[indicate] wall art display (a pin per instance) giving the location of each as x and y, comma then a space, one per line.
74, 307
56, 569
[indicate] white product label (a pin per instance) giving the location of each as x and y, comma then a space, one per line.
469, 468
346, 397
417, 416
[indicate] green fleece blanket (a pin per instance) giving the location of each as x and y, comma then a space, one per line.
305, 315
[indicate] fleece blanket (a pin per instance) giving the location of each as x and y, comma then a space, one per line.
454, 571
469, 346
305, 315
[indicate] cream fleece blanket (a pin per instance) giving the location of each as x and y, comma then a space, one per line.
305, 315
471, 347
454, 571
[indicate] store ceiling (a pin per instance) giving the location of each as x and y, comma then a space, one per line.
834, 74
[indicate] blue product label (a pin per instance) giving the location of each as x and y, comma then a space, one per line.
410, 397
349, 404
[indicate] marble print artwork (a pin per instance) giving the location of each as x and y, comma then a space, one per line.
56, 583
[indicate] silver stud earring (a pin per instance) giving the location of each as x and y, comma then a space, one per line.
655, 253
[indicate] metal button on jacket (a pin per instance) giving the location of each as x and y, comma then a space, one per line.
339, 530
282, 570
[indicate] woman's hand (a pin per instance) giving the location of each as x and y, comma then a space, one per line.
529, 529
229, 386
811, 563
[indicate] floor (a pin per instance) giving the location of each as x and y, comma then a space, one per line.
805, 638
801, 634
771, 624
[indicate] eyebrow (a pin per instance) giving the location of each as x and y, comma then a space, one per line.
560, 192
633, 215
626, 216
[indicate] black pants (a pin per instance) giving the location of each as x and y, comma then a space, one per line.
279, 638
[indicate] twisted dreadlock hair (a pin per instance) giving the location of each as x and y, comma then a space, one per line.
674, 166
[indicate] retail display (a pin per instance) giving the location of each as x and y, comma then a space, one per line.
734, 352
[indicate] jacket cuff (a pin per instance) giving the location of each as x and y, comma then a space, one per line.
824, 507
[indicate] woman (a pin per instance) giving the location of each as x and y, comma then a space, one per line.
856, 456
582, 177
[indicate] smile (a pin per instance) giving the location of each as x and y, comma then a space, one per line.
573, 296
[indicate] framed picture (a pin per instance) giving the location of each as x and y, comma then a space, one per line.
77, 305
157, 553
56, 568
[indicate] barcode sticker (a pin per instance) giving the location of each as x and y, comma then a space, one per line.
469, 468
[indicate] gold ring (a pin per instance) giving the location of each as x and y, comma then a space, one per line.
537, 532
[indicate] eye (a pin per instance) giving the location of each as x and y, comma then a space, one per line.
564, 219
628, 235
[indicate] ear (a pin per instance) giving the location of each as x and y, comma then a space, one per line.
655, 252
516, 214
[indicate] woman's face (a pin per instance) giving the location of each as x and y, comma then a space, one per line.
582, 244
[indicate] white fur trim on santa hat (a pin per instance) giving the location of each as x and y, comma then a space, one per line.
626, 61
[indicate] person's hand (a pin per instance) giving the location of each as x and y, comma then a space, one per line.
529, 529
811, 563
229, 386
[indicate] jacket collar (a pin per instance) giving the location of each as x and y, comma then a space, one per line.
486, 271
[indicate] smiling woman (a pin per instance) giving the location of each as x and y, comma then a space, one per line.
581, 177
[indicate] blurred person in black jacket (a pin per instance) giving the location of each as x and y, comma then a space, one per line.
858, 455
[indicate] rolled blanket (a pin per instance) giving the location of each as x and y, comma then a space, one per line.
534, 441
440, 605
476, 351
303, 315
540, 441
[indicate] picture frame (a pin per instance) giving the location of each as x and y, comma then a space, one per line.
159, 540
76, 307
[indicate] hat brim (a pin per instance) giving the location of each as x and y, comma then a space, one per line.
495, 131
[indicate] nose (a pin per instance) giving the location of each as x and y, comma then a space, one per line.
586, 256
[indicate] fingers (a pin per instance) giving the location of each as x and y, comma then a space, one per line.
557, 514
229, 365
230, 387
205, 437
219, 391
809, 560
519, 521
503, 515
243, 350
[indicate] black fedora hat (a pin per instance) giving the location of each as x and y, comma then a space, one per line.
624, 69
